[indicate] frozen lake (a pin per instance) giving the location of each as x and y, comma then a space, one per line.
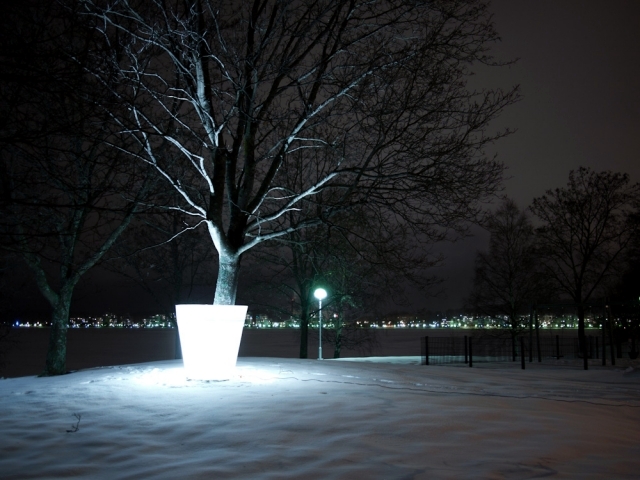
91, 347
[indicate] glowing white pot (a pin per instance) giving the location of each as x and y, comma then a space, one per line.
210, 338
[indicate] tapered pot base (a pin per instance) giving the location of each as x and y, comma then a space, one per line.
210, 339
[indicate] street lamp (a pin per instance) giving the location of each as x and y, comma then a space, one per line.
320, 294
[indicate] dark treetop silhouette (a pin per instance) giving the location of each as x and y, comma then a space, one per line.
587, 227
66, 194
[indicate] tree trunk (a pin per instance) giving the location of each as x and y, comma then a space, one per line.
56, 363
514, 330
582, 339
227, 284
338, 346
304, 328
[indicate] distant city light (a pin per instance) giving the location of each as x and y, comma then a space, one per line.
265, 321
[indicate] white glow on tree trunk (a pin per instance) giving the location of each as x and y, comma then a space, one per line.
210, 338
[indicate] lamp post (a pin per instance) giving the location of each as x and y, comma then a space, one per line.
320, 294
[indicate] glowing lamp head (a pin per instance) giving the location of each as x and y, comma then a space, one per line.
320, 293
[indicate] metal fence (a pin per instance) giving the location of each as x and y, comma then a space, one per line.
506, 348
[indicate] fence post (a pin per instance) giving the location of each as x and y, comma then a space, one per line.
611, 341
470, 351
604, 340
585, 353
531, 335
535, 313
597, 349
522, 352
466, 355
558, 347
426, 349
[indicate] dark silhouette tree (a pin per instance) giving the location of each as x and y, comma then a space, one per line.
371, 97
586, 228
624, 297
67, 195
167, 258
360, 261
507, 277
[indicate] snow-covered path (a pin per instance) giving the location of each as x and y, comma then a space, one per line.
289, 418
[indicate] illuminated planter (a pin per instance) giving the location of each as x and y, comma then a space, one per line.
210, 338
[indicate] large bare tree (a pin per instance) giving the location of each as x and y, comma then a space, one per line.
586, 228
370, 96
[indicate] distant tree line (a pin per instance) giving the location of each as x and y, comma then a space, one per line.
577, 244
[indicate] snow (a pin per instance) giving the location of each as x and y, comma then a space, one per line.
377, 417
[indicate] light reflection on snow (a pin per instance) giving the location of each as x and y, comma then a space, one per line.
175, 377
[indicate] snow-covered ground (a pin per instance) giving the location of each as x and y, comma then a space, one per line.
386, 418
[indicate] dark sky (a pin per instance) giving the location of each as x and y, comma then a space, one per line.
579, 73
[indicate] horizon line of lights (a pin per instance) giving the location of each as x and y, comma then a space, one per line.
264, 322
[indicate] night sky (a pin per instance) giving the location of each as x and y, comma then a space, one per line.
579, 74
579, 71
